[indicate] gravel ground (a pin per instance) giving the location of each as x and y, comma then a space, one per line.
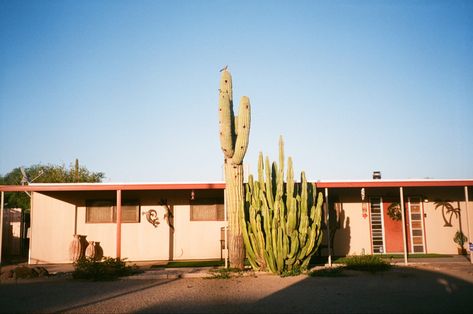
446, 288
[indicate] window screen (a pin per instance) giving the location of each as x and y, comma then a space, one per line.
106, 212
207, 210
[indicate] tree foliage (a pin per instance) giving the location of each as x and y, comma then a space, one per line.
45, 174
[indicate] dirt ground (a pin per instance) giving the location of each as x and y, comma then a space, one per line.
426, 288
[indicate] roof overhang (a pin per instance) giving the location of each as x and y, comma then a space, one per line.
50, 187
394, 183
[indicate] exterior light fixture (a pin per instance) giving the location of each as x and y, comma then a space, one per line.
362, 194
192, 195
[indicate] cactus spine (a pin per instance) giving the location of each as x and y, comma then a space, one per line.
234, 138
281, 221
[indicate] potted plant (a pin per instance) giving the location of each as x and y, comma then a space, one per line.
460, 239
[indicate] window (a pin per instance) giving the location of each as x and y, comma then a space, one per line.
99, 212
207, 210
104, 211
130, 212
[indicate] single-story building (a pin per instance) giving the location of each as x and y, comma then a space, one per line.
185, 221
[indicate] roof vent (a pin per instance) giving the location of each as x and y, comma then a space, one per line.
376, 175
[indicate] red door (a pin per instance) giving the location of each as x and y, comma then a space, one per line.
392, 226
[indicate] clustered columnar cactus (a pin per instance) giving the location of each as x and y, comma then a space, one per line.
281, 221
234, 138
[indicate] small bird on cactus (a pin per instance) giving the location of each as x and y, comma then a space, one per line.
224, 68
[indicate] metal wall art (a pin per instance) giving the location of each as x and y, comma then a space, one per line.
152, 217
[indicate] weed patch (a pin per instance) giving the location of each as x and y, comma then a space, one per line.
371, 263
225, 273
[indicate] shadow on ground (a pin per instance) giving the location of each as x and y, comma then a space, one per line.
401, 290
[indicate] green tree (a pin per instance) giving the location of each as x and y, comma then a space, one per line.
45, 174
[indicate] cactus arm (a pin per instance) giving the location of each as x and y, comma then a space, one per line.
235, 123
249, 248
280, 251
243, 130
281, 157
269, 186
294, 244
261, 170
226, 85
226, 117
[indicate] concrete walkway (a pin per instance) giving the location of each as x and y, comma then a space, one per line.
150, 271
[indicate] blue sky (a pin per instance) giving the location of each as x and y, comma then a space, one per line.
130, 88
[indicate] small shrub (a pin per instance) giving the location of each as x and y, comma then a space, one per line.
24, 272
293, 272
460, 239
328, 272
108, 269
372, 263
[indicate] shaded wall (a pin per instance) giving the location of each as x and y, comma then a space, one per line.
352, 234
51, 230
57, 216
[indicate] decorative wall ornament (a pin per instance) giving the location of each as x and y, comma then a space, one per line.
394, 211
168, 216
364, 210
447, 212
152, 217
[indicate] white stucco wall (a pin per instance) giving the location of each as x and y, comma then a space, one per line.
140, 241
53, 225
353, 237
195, 239
52, 229
439, 238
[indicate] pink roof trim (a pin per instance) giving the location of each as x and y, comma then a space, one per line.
393, 183
111, 187
45, 187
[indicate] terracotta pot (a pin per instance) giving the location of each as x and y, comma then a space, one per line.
98, 251
90, 251
76, 248
461, 251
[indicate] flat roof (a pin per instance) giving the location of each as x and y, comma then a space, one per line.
381, 183
45, 187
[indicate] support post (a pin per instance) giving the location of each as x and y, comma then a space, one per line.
468, 224
29, 233
225, 218
119, 223
1, 224
328, 228
75, 219
404, 244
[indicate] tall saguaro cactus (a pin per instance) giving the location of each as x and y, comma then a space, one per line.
234, 138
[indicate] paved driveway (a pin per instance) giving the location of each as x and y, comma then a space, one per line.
446, 288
